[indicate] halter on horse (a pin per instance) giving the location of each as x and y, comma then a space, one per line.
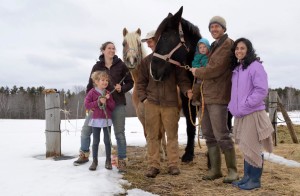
167, 57
133, 51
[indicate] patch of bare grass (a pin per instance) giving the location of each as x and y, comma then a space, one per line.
276, 179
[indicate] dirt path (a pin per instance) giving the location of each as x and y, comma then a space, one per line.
276, 179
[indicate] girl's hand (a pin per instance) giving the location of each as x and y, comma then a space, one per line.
102, 100
107, 96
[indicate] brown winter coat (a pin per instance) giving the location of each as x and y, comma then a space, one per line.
162, 93
217, 73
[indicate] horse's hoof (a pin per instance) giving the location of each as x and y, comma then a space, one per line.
186, 158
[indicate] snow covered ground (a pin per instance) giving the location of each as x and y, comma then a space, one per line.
25, 171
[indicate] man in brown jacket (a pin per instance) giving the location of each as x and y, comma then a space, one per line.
216, 77
161, 109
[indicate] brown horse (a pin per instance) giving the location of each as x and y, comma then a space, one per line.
133, 53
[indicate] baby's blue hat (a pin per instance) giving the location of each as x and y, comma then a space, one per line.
204, 41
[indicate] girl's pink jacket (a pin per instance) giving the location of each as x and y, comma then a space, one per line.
91, 103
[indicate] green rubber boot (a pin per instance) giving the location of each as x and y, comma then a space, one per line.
215, 161
231, 166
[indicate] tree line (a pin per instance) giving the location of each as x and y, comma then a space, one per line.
29, 103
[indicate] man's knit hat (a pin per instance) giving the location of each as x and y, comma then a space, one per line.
219, 20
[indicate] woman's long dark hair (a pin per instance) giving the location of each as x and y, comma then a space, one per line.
250, 55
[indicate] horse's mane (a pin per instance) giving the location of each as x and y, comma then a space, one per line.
187, 27
190, 28
132, 43
193, 33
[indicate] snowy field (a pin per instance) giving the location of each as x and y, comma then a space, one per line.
26, 172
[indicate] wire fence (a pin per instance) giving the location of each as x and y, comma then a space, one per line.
294, 116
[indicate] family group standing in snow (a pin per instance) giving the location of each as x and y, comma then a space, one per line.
233, 80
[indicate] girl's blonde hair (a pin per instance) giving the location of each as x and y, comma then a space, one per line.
97, 75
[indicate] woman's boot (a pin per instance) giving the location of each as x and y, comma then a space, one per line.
254, 177
245, 177
254, 180
122, 165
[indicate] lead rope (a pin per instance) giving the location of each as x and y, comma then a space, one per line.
197, 112
121, 81
103, 107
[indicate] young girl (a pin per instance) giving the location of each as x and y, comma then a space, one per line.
200, 60
252, 128
102, 104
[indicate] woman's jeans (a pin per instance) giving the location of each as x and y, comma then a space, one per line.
86, 133
118, 119
96, 141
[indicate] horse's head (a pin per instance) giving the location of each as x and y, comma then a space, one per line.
133, 51
176, 42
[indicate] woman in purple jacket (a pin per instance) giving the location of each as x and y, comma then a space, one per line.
101, 103
252, 128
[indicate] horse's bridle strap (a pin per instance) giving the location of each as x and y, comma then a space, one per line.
167, 57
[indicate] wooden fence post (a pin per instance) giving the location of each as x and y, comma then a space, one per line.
53, 133
288, 122
273, 113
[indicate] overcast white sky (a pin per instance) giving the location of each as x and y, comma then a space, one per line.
55, 43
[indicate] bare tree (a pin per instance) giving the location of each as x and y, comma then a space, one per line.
4, 105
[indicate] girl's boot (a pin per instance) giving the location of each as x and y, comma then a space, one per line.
94, 165
108, 163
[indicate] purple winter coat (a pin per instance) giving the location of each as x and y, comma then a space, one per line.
249, 89
90, 103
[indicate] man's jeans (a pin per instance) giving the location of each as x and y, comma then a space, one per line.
118, 119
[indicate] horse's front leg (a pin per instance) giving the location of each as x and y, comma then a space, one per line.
188, 156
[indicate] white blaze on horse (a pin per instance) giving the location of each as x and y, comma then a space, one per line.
133, 53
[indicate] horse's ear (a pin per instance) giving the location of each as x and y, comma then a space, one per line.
180, 10
177, 16
138, 31
125, 32
179, 13
169, 15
